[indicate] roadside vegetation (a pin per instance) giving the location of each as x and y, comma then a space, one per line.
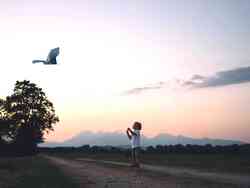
32, 172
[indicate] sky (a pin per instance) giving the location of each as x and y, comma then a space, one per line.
179, 67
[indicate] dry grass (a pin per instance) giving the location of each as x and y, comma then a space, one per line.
27, 172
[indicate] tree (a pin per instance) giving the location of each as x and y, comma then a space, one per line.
32, 114
2, 120
5, 122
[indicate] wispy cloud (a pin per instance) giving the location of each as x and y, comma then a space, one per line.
222, 78
219, 79
138, 90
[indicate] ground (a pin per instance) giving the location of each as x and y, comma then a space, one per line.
107, 175
30, 172
58, 171
222, 163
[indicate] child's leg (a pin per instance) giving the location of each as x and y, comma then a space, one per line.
133, 156
137, 153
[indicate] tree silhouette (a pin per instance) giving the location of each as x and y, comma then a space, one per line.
5, 122
31, 113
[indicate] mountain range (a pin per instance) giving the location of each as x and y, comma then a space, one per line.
120, 139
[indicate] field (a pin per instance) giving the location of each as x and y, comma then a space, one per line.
30, 172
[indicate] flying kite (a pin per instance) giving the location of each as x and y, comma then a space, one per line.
51, 59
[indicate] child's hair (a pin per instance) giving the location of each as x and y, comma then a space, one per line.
137, 125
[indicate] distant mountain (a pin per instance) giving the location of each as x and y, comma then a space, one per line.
101, 138
168, 139
120, 139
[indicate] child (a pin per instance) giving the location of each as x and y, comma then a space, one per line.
134, 137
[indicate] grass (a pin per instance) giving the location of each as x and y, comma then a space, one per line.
30, 172
238, 164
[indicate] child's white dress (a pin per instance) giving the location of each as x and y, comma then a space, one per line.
135, 140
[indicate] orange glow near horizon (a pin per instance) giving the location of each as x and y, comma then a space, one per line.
201, 113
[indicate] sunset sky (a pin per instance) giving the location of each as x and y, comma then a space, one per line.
178, 66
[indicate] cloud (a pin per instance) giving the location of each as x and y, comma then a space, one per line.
219, 79
197, 77
222, 78
139, 90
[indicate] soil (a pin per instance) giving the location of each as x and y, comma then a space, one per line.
101, 174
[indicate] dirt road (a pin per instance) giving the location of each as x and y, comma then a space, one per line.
107, 174
186, 172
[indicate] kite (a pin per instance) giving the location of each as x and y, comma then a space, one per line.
51, 59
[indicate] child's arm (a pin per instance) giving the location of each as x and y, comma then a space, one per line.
129, 136
132, 132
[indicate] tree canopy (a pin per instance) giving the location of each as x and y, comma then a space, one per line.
26, 115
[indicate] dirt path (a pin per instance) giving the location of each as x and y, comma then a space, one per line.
187, 172
107, 174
